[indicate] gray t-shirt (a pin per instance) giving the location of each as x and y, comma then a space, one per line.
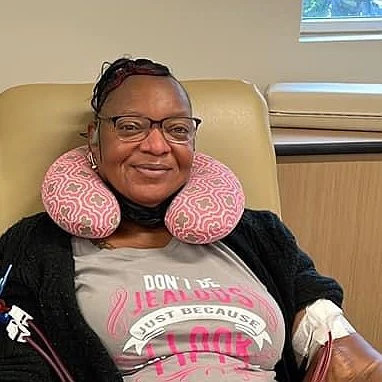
179, 313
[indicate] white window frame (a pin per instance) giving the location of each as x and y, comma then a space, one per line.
336, 29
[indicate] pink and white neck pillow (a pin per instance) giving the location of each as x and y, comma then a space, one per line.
207, 208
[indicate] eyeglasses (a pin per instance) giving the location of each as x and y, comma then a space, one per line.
133, 128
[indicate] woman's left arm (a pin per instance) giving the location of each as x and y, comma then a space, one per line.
352, 358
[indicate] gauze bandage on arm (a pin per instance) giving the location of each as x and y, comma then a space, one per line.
320, 318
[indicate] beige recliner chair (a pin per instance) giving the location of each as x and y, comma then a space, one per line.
41, 121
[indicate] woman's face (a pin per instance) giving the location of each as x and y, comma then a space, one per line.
149, 171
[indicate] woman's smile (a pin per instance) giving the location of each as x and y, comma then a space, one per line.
152, 170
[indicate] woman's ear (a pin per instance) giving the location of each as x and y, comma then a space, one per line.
93, 143
93, 136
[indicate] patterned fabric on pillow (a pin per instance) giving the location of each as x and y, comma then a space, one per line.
207, 209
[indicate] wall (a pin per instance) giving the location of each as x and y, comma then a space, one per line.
256, 40
333, 204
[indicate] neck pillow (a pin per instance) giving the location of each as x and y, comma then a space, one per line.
207, 208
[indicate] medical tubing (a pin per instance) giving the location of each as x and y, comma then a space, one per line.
55, 363
328, 354
46, 357
55, 356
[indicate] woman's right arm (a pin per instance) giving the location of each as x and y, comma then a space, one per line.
18, 361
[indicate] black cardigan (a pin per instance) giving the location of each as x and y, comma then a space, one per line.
42, 283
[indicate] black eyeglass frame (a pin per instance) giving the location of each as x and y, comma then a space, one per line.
160, 122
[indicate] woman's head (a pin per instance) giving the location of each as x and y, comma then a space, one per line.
143, 134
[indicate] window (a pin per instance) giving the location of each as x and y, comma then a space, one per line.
331, 20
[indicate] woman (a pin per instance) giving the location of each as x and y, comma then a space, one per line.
143, 306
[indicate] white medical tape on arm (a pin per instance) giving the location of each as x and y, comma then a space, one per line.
312, 332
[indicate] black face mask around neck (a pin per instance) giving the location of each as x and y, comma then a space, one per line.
152, 217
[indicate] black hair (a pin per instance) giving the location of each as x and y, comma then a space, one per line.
113, 74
